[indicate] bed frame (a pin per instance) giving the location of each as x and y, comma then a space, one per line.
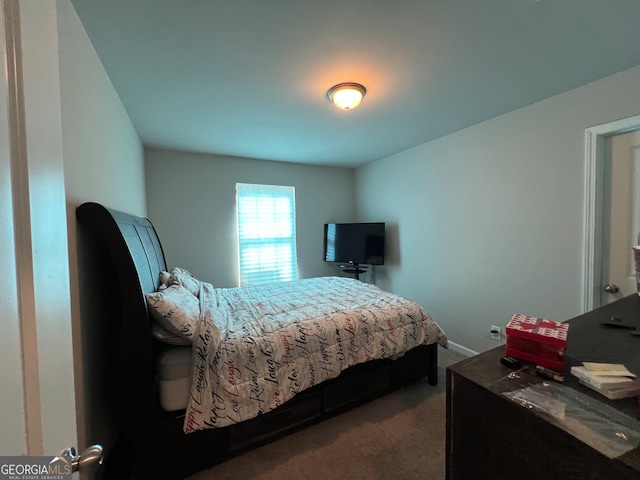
120, 258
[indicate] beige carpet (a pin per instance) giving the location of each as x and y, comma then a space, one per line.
399, 436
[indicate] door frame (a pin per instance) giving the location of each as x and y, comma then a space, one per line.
593, 218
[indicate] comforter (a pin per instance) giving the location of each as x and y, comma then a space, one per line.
256, 347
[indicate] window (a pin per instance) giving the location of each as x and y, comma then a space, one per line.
266, 233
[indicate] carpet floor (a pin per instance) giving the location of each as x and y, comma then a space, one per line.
399, 436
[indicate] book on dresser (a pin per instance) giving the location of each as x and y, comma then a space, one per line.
612, 387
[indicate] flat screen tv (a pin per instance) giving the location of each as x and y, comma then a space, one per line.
354, 243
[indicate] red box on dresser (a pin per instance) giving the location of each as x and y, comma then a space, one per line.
537, 340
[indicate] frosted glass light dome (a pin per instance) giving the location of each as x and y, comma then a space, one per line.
346, 96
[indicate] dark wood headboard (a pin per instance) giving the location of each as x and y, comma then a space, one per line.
120, 258
127, 236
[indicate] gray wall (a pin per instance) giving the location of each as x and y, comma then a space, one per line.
488, 222
103, 162
191, 201
103, 156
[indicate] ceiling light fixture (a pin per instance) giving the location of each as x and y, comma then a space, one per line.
346, 96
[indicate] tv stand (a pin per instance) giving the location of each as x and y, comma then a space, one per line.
354, 269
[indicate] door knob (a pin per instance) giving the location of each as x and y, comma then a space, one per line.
611, 288
88, 461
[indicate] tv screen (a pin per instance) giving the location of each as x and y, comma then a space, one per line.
354, 243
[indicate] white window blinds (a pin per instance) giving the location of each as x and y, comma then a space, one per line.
266, 233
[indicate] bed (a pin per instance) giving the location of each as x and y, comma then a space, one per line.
149, 430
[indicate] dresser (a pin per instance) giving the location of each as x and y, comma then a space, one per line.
491, 437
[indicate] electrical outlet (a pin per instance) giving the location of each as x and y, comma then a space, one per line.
496, 332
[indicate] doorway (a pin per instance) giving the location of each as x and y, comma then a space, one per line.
620, 215
597, 140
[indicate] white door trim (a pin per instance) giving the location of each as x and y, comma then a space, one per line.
13, 434
594, 163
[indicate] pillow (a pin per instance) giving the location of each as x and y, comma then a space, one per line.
165, 278
163, 335
175, 309
180, 276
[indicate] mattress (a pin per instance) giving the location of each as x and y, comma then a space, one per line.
174, 377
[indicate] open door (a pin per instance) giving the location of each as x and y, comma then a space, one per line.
38, 414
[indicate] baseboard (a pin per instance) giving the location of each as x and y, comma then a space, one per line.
460, 349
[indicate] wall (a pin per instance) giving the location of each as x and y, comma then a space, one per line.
191, 201
488, 221
103, 162
104, 159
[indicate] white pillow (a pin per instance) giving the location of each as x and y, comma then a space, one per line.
163, 335
180, 276
165, 279
176, 309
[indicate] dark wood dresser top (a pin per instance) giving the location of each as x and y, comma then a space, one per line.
588, 340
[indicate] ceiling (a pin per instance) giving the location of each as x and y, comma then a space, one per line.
248, 78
